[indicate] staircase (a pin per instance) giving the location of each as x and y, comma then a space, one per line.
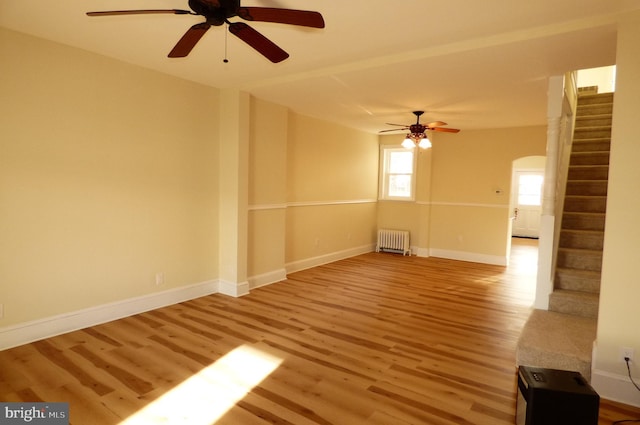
562, 337
579, 261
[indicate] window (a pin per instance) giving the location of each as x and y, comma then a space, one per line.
397, 170
530, 189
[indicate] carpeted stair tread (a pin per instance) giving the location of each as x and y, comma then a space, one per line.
589, 158
592, 204
593, 120
557, 341
588, 172
583, 220
587, 187
578, 303
598, 144
577, 280
582, 239
579, 258
594, 99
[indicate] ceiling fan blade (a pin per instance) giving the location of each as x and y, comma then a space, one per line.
436, 124
399, 125
303, 18
394, 129
446, 130
258, 41
141, 12
189, 40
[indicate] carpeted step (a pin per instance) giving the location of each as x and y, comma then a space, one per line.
598, 144
581, 259
592, 204
587, 187
594, 109
593, 99
589, 158
593, 120
557, 341
596, 132
588, 172
584, 239
583, 220
578, 303
577, 280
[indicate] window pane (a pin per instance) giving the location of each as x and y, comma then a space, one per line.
401, 162
530, 190
400, 185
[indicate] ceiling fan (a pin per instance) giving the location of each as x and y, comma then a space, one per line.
218, 12
421, 128
417, 132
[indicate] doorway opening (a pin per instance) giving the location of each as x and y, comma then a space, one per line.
526, 196
525, 203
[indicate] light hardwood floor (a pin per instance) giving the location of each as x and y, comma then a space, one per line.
375, 339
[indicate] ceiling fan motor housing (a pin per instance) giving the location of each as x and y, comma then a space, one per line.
216, 12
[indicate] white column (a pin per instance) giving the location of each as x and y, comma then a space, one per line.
544, 284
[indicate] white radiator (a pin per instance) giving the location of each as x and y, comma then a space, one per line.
393, 240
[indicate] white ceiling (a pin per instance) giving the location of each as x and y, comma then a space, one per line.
474, 64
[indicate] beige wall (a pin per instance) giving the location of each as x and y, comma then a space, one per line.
413, 216
618, 321
457, 213
107, 177
472, 173
331, 190
267, 188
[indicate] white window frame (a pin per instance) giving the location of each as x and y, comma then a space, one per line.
383, 184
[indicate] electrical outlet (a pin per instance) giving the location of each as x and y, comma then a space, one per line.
159, 279
626, 352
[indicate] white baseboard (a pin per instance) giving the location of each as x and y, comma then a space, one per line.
420, 252
267, 278
468, 256
233, 289
24, 333
308, 263
615, 387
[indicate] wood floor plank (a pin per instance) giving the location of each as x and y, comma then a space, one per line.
373, 339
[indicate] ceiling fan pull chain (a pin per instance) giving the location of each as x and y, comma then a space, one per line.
226, 33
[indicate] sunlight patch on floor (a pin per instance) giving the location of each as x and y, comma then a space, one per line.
208, 395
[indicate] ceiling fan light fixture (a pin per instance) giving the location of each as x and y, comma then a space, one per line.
425, 143
408, 142
416, 139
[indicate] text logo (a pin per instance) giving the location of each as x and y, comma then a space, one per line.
34, 413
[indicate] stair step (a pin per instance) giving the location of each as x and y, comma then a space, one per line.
588, 172
602, 144
594, 109
593, 120
591, 99
583, 304
581, 239
587, 90
589, 158
579, 259
577, 280
583, 220
577, 203
592, 132
557, 341
587, 187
